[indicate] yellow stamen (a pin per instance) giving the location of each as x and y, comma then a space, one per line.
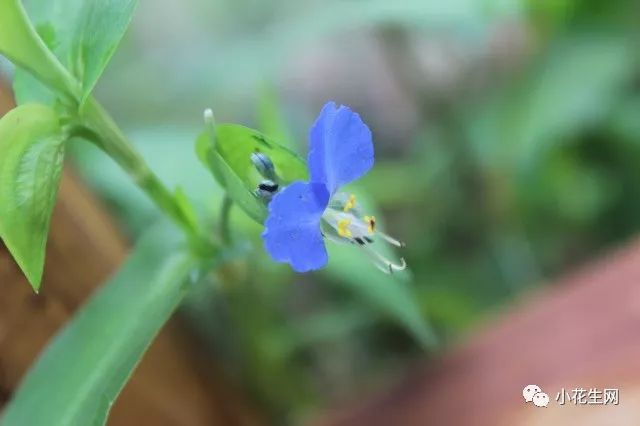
351, 203
371, 220
343, 228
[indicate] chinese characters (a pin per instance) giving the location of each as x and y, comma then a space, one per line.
591, 396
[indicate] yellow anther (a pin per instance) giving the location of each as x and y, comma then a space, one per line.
351, 203
371, 220
343, 228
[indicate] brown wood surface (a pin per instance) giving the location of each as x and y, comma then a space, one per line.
173, 385
582, 332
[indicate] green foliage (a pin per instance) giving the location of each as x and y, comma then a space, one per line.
82, 34
99, 29
228, 157
21, 44
28, 89
498, 190
32, 143
236, 143
573, 85
226, 177
76, 380
163, 147
31, 153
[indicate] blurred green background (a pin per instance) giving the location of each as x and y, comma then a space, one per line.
507, 136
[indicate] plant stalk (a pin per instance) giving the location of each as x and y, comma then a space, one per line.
106, 134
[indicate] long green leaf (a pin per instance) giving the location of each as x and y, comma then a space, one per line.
80, 374
31, 154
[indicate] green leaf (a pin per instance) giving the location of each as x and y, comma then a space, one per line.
101, 26
21, 44
26, 86
28, 89
77, 378
85, 33
31, 154
229, 160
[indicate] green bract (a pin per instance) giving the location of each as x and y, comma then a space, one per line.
31, 154
228, 157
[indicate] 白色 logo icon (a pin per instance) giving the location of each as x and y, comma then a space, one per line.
533, 393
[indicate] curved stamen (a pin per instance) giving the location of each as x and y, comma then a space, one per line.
391, 240
384, 264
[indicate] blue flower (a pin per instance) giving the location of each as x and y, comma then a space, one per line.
303, 214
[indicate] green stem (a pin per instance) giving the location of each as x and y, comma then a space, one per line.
225, 210
100, 128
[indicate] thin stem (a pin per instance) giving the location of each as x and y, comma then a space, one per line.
225, 211
103, 131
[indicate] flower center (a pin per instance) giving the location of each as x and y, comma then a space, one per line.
347, 225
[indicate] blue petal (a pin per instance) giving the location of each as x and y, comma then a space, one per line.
340, 147
292, 229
